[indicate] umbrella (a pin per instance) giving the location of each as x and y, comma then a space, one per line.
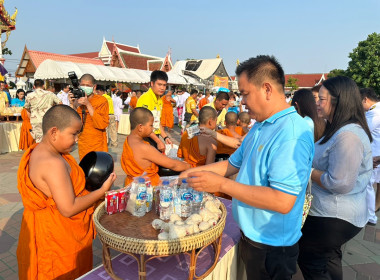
218, 89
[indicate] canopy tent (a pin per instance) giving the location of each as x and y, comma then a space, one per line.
55, 70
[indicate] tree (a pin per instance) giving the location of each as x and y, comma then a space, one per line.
292, 83
336, 72
364, 67
7, 51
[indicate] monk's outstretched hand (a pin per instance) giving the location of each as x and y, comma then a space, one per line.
206, 181
108, 183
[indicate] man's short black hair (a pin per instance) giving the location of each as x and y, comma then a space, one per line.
370, 94
158, 75
38, 83
63, 86
193, 91
222, 96
260, 68
100, 87
316, 88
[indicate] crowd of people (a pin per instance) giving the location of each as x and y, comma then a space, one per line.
256, 147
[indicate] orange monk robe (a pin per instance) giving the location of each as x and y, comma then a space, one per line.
94, 136
51, 246
224, 149
189, 150
26, 140
133, 102
132, 169
167, 117
203, 102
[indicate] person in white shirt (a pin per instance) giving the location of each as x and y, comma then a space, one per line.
117, 108
371, 105
63, 95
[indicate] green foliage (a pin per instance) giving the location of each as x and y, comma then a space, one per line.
364, 67
292, 83
7, 51
336, 72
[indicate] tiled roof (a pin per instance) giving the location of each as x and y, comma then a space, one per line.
87, 55
306, 80
134, 61
156, 65
38, 57
110, 46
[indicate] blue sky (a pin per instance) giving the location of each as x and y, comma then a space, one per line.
306, 36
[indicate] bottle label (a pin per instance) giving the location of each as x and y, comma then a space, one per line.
166, 197
141, 195
187, 196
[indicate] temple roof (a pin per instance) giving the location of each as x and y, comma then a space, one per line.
32, 59
8, 22
307, 80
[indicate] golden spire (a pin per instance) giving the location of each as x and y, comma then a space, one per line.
237, 62
217, 56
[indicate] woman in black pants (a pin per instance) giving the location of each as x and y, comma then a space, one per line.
342, 169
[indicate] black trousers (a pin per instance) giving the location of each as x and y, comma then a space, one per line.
320, 247
268, 262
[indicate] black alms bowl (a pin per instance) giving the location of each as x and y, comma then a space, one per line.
97, 167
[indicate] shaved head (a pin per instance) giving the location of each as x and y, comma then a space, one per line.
231, 118
141, 116
88, 77
244, 117
207, 113
59, 116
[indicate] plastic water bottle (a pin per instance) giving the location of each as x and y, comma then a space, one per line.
177, 202
197, 201
166, 201
140, 208
149, 197
186, 197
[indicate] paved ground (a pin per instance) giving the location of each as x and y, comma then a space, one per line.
361, 258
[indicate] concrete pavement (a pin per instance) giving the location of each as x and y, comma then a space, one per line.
361, 259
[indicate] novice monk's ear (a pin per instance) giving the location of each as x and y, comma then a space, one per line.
52, 132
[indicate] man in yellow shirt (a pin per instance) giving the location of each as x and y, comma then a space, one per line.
219, 104
191, 113
153, 102
111, 129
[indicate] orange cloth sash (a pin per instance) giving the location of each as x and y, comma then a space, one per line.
224, 149
94, 136
132, 169
202, 102
133, 102
51, 246
189, 150
167, 117
26, 139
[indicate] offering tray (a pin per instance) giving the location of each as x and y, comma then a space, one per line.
136, 237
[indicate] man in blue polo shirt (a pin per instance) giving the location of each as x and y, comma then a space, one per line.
273, 165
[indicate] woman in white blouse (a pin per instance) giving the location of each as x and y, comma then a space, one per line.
342, 167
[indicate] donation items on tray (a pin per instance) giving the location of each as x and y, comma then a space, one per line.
171, 201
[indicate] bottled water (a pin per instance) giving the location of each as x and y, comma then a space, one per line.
177, 202
140, 208
197, 201
166, 201
149, 197
186, 196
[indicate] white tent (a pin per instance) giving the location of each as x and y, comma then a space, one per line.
54, 70
50, 69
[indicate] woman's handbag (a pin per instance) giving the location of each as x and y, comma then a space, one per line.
307, 203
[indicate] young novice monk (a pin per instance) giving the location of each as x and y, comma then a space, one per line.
139, 156
244, 120
231, 130
57, 229
201, 149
